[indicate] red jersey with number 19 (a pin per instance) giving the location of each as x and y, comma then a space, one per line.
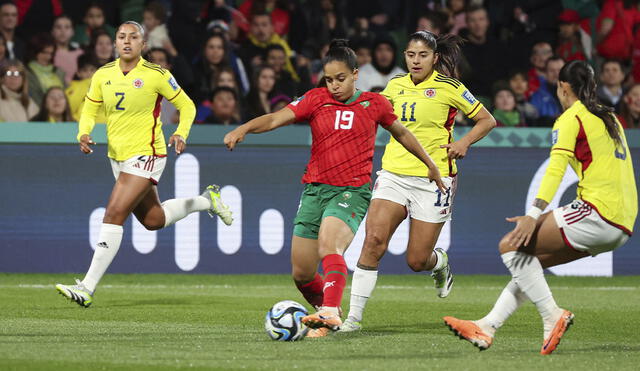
343, 135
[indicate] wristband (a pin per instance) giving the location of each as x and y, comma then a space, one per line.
534, 212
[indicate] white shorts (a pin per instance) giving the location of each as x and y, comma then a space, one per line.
583, 229
149, 167
419, 195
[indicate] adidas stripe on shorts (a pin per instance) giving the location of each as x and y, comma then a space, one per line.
149, 167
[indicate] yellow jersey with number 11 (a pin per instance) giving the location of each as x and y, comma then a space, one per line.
428, 110
132, 105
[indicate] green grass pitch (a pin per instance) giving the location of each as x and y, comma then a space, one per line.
154, 322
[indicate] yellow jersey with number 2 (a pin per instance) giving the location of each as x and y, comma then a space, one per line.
132, 105
605, 170
428, 110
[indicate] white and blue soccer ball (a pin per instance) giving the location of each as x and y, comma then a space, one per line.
283, 321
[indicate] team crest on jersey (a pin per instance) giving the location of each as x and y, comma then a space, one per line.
138, 83
554, 137
365, 104
468, 97
172, 82
295, 102
430, 93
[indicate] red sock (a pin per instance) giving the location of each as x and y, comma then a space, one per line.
335, 279
312, 291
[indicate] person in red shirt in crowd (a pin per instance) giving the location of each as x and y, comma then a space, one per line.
337, 179
276, 8
540, 53
569, 42
615, 27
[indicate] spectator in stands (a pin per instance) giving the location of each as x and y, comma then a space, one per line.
276, 9
54, 107
483, 53
154, 17
545, 99
8, 23
15, 103
615, 27
94, 20
224, 105
326, 20
540, 53
4, 52
36, 17
215, 56
363, 52
279, 102
434, 21
259, 97
261, 35
101, 47
67, 53
610, 92
382, 67
276, 58
520, 86
458, 16
79, 86
41, 73
630, 108
161, 57
505, 109
569, 41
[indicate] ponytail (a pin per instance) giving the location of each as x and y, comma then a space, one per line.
446, 45
580, 77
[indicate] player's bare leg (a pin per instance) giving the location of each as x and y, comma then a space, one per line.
334, 238
383, 219
149, 211
421, 255
304, 269
127, 193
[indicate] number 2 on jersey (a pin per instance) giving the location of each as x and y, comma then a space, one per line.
118, 105
343, 116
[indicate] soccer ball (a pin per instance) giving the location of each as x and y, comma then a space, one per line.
283, 321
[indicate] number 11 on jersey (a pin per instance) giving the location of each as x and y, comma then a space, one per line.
343, 116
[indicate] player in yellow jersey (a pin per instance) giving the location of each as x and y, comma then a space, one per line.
426, 101
587, 137
130, 89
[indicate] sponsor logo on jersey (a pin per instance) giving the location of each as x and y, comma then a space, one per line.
328, 284
554, 137
108, 82
430, 93
295, 102
343, 204
401, 92
173, 83
468, 97
365, 104
138, 83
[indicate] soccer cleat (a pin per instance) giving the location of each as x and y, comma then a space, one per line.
443, 277
469, 331
562, 325
77, 293
322, 319
318, 332
212, 192
350, 326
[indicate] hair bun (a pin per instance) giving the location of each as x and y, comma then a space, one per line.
339, 43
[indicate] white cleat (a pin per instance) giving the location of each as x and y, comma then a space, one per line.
443, 277
350, 326
218, 208
77, 293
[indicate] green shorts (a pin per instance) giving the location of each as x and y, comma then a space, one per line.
318, 201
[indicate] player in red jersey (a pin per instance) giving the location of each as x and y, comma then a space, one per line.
337, 180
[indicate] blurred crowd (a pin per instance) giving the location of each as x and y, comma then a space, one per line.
241, 59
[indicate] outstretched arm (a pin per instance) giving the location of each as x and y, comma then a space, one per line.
410, 142
484, 122
259, 124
